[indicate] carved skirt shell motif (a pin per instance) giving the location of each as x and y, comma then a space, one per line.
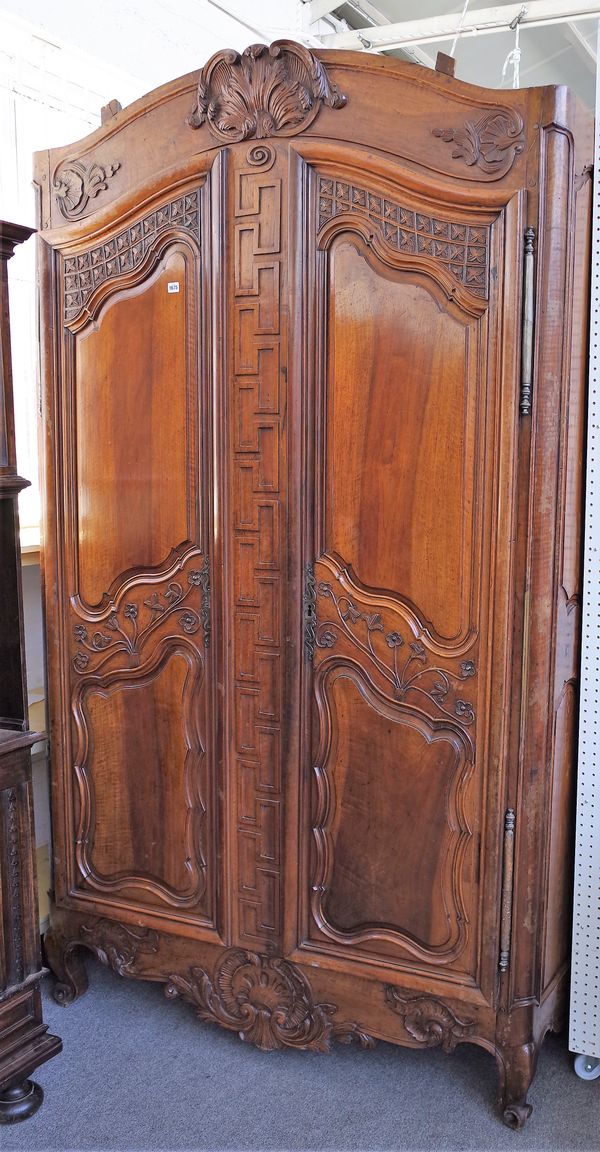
428, 1021
266, 1000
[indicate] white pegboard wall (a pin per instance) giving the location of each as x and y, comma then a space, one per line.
584, 1030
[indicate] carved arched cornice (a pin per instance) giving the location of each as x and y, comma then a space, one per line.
265, 91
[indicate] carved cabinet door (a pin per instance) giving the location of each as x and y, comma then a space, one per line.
412, 304
131, 473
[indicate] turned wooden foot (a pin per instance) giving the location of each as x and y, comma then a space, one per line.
65, 961
517, 1069
20, 1101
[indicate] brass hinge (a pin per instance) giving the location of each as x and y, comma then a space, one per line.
508, 867
528, 318
310, 611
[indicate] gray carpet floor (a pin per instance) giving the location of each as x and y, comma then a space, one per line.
140, 1073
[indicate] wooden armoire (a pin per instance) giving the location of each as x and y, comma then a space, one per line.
314, 331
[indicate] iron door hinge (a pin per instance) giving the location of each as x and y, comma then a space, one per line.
508, 867
527, 322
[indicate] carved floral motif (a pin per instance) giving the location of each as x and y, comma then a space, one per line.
429, 1021
76, 185
462, 249
491, 143
403, 663
274, 91
266, 1000
122, 631
125, 252
118, 945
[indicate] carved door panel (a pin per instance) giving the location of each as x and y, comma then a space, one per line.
135, 515
407, 614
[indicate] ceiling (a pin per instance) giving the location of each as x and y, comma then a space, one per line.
151, 41
556, 54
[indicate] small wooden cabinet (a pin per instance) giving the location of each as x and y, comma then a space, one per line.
313, 549
24, 1042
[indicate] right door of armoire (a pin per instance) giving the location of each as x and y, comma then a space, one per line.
411, 303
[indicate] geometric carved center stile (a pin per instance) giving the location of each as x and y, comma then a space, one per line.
257, 526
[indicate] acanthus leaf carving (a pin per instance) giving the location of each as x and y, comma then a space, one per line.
404, 663
429, 1021
265, 91
491, 143
118, 945
129, 631
266, 1000
76, 185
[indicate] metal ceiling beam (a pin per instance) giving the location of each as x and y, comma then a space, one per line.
415, 54
586, 50
317, 9
376, 16
536, 14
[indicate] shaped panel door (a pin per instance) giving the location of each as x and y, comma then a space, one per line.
135, 428
409, 624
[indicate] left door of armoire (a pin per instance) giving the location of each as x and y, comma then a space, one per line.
132, 684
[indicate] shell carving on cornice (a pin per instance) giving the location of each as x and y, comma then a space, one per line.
266, 91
